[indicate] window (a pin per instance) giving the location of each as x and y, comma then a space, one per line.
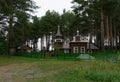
75, 49
58, 40
82, 49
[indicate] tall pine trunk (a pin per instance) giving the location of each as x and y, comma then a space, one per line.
9, 42
22, 38
107, 31
102, 31
42, 43
48, 42
111, 34
117, 44
115, 38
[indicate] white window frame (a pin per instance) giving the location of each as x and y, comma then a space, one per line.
58, 40
75, 49
82, 49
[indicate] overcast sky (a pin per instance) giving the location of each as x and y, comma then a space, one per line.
57, 5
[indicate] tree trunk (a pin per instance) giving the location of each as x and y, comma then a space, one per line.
115, 38
42, 42
107, 31
90, 41
117, 44
111, 34
35, 40
34, 44
22, 38
9, 32
102, 31
98, 38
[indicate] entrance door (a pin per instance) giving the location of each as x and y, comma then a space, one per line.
75, 49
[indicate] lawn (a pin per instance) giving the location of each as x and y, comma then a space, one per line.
24, 69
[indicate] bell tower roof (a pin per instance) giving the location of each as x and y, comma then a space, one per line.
58, 31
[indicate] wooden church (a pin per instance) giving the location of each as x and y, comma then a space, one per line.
77, 45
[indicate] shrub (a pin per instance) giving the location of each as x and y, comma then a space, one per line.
26, 54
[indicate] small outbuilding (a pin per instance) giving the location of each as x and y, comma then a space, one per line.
25, 48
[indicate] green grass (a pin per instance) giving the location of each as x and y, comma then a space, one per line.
6, 60
103, 76
26, 69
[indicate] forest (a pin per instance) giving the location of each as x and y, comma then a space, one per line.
98, 18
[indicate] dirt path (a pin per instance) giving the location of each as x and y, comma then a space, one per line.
22, 72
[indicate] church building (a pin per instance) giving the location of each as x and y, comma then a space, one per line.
77, 45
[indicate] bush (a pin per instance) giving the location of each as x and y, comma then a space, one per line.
3, 47
104, 55
26, 54
67, 56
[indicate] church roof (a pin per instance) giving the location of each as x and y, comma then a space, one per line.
58, 32
92, 46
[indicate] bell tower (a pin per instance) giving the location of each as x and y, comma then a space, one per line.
58, 38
